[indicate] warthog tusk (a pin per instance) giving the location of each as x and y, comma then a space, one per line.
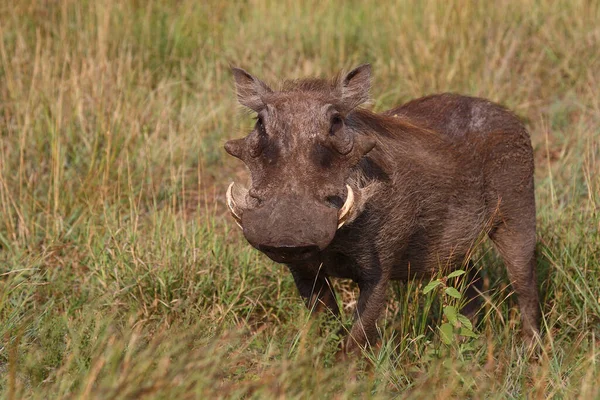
232, 206
345, 210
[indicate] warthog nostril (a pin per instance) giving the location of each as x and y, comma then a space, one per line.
289, 253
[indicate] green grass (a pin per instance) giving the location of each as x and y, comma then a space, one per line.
121, 275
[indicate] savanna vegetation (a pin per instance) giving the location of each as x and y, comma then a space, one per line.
121, 274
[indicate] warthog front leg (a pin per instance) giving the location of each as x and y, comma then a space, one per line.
371, 302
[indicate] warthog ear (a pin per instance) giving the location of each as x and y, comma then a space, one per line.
250, 90
354, 87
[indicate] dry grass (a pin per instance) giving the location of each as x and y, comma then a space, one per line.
120, 275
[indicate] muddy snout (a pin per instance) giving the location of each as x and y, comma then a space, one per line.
289, 230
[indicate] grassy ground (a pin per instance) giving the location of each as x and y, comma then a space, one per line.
121, 276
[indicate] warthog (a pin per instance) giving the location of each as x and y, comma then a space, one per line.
339, 191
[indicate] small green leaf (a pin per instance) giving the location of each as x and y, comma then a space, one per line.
430, 286
468, 345
465, 321
456, 273
467, 332
446, 333
451, 314
450, 291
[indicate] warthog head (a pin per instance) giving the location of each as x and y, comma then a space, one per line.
300, 154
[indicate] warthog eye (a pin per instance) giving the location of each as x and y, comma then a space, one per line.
260, 126
336, 124
259, 139
341, 140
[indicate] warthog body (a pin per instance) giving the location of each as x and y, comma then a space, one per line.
339, 191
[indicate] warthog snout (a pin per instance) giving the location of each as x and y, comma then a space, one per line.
287, 228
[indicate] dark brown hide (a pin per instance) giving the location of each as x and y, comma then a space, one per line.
428, 178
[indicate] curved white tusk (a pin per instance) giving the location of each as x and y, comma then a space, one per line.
232, 206
345, 210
